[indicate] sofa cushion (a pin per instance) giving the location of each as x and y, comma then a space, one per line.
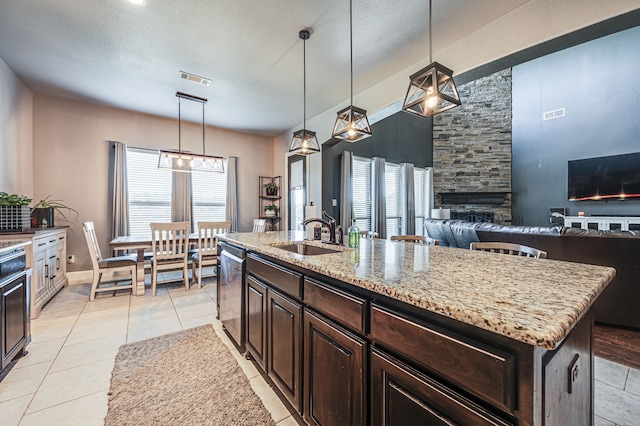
436, 228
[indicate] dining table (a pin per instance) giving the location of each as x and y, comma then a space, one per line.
142, 244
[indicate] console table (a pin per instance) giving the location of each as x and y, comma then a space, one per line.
603, 223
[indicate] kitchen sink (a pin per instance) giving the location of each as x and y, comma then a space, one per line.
305, 249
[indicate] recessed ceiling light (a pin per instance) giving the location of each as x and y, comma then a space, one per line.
138, 2
195, 78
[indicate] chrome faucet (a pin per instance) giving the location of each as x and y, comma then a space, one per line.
330, 223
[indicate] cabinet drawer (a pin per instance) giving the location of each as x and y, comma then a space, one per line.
485, 371
400, 395
281, 278
346, 309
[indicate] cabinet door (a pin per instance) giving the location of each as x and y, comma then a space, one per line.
334, 378
40, 275
256, 300
60, 261
284, 346
14, 306
401, 395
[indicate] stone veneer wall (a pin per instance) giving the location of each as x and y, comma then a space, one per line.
472, 145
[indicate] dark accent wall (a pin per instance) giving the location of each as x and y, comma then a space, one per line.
400, 138
598, 85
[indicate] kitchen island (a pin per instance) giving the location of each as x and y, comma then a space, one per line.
398, 333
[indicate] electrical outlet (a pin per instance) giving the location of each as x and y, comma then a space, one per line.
71, 259
334, 202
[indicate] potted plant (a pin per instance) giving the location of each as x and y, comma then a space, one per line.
14, 212
270, 210
271, 188
45, 208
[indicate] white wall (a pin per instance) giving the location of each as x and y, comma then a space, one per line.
71, 159
16, 134
531, 24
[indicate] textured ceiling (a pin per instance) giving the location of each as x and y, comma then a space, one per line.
122, 55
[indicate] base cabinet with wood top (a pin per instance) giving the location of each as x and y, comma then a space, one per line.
47, 256
342, 355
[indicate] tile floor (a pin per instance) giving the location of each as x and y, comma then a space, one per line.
65, 378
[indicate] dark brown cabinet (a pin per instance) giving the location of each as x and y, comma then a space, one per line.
284, 326
257, 321
401, 395
334, 373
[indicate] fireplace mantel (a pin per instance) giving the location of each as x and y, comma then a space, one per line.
473, 197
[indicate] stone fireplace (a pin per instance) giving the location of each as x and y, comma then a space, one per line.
472, 150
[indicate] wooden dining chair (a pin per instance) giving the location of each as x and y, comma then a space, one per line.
415, 239
369, 234
259, 225
509, 248
207, 254
111, 265
170, 246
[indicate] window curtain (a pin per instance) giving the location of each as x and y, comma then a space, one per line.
232, 193
181, 196
379, 211
346, 190
407, 196
120, 195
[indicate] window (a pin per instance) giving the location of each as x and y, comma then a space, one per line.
149, 191
394, 200
209, 196
361, 195
297, 192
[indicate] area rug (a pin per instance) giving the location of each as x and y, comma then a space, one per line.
183, 378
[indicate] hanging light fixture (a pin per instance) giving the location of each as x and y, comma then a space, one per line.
184, 161
432, 89
304, 141
352, 123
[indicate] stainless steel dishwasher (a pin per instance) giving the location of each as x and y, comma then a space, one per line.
231, 281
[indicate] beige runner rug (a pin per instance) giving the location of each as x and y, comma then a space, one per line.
183, 378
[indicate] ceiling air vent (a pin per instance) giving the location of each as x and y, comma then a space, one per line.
195, 78
550, 115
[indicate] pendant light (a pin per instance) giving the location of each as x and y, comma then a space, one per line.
432, 89
184, 161
304, 142
352, 123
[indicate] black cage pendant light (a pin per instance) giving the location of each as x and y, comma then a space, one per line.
432, 89
185, 161
352, 123
304, 142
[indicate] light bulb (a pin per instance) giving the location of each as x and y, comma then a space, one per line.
351, 132
180, 162
431, 100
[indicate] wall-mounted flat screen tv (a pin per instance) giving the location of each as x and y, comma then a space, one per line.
616, 177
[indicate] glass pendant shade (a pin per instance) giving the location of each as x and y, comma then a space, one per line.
352, 124
185, 161
304, 142
431, 91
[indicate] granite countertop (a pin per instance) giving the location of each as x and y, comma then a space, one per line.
534, 301
33, 230
10, 246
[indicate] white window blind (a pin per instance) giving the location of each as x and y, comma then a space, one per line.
394, 199
361, 196
209, 196
149, 191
